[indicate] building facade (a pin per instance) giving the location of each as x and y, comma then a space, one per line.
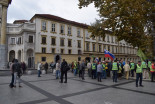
48, 38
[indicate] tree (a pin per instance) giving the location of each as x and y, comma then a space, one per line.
128, 20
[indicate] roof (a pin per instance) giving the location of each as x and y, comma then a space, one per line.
20, 21
59, 19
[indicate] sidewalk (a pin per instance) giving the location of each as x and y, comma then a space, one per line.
48, 90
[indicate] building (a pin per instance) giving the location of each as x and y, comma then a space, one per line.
21, 42
47, 38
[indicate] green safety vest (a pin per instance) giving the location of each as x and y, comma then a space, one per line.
103, 65
93, 66
144, 65
149, 64
139, 69
75, 66
114, 66
132, 66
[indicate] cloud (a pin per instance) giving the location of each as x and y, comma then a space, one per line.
68, 9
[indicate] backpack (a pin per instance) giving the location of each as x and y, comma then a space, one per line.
153, 66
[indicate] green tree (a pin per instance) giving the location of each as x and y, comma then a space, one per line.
128, 20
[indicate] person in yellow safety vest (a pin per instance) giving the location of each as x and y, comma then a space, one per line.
132, 67
139, 74
144, 67
149, 65
104, 75
152, 70
115, 68
119, 71
94, 68
75, 68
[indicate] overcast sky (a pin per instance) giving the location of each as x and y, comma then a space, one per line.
68, 9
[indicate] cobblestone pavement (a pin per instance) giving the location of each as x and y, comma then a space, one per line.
48, 90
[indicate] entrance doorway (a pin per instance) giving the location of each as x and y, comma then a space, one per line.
57, 57
87, 59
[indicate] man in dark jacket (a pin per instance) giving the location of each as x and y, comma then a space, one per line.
64, 71
82, 68
46, 67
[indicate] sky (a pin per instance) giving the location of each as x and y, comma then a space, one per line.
68, 9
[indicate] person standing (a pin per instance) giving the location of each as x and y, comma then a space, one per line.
46, 67
139, 75
75, 68
115, 68
152, 70
39, 68
17, 72
132, 67
144, 68
127, 69
104, 75
12, 73
99, 71
82, 68
52, 65
58, 69
64, 71
24, 67
94, 68
89, 69
80, 71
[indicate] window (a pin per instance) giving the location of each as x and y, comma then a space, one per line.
112, 39
87, 46
62, 29
12, 40
43, 25
53, 50
43, 58
87, 36
79, 58
19, 41
30, 39
79, 52
112, 49
107, 38
100, 48
104, 47
93, 47
53, 42
43, 40
78, 32
43, 50
62, 51
69, 51
99, 38
69, 43
108, 48
93, 37
79, 43
69, 30
53, 27
61, 41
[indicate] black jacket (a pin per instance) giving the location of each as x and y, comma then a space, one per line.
63, 66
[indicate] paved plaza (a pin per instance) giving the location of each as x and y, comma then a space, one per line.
48, 90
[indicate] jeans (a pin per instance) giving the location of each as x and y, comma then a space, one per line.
75, 71
58, 74
16, 77
139, 76
114, 75
132, 73
62, 74
99, 76
104, 75
12, 80
39, 72
93, 74
152, 76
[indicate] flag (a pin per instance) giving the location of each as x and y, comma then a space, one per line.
97, 59
108, 54
141, 54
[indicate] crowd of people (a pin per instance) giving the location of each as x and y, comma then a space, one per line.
99, 70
